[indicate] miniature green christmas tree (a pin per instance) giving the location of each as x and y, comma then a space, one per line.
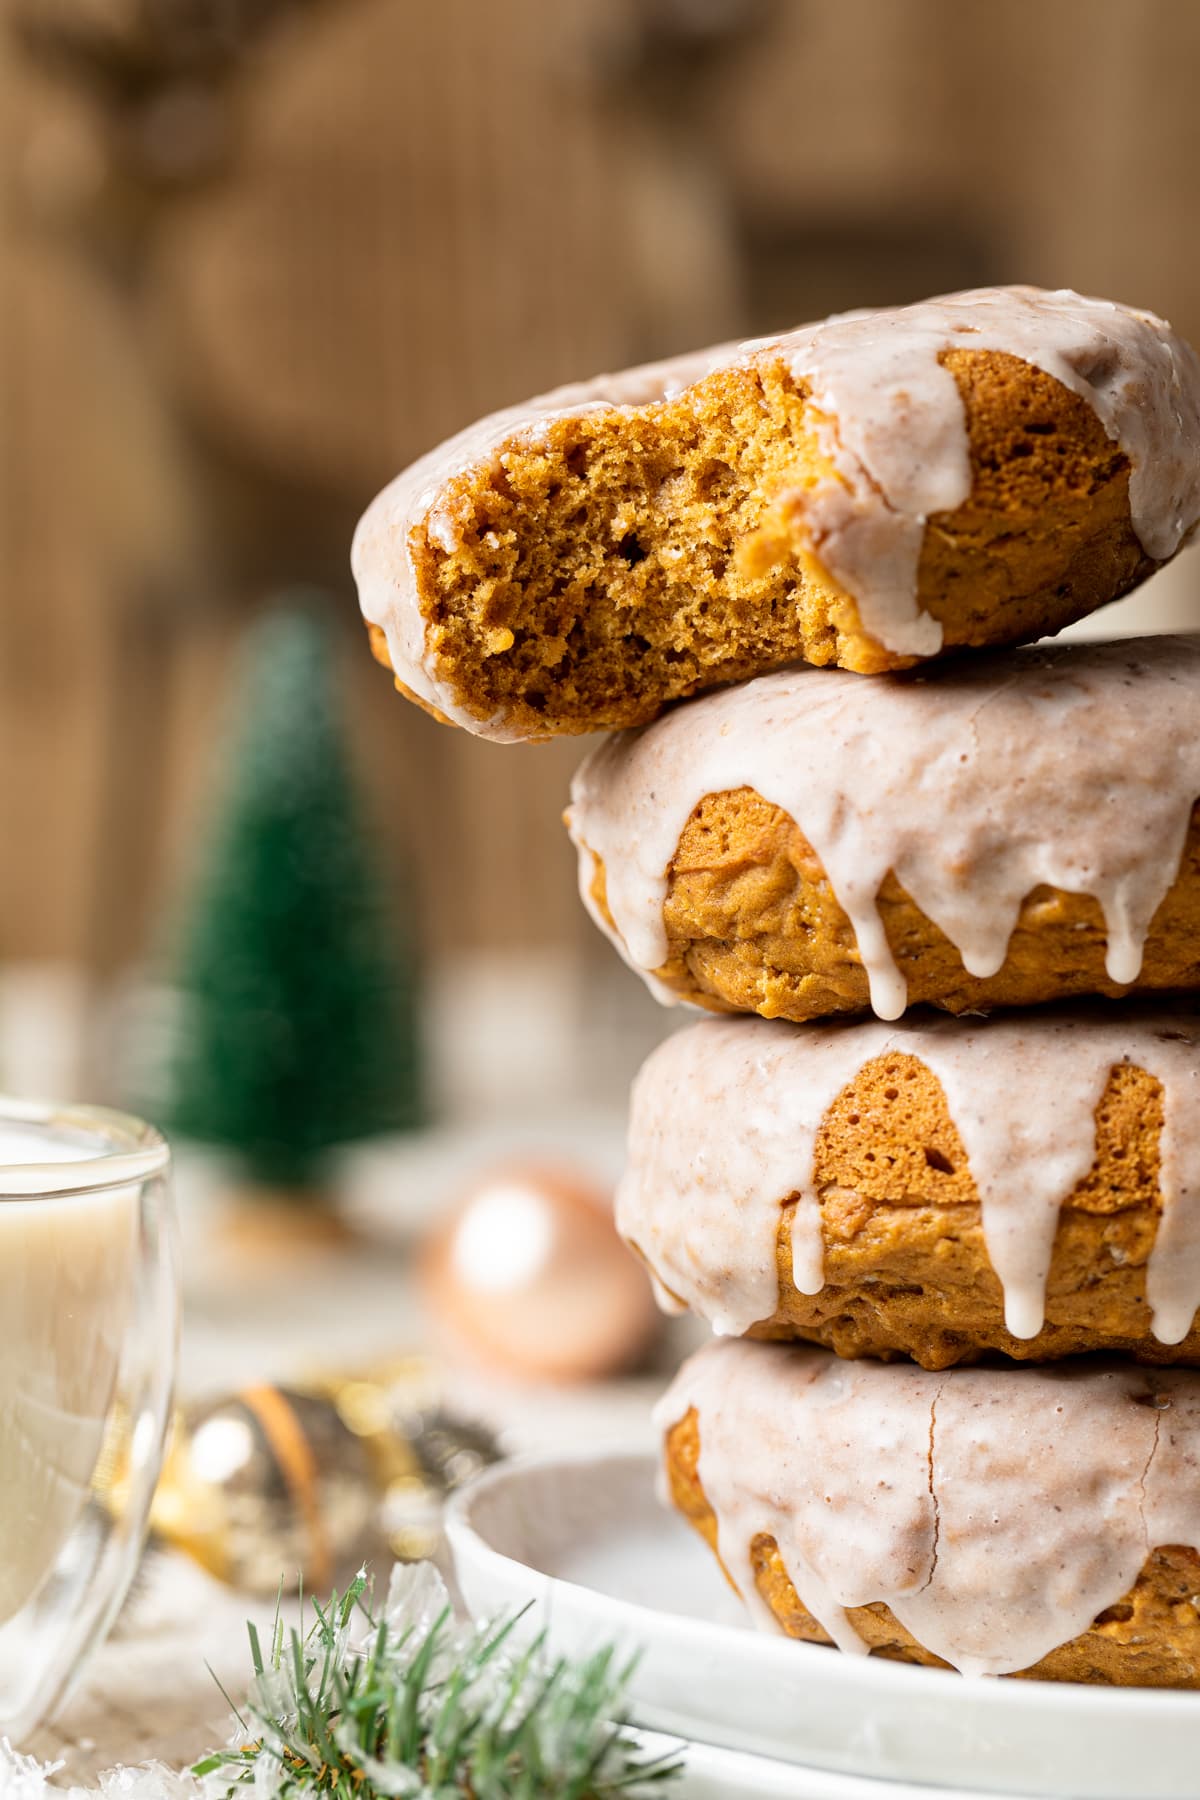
296, 1030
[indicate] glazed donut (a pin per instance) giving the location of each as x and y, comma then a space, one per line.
1016, 830
1041, 1522
868, 491
1028, 1184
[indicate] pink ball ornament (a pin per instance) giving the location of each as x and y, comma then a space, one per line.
529, 1277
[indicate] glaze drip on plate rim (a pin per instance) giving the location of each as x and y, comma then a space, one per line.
725, 1118
1074, 767
995, 1512
891, 423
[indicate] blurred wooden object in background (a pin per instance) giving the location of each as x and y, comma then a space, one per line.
138, 111
407, 221
401, 216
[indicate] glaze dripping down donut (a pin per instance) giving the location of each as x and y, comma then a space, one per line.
734, 1139
985, 1518
1073, 769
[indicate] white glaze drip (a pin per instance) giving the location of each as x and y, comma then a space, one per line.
897, 437
725, 1117
995, 1512
893, 427
1074, 766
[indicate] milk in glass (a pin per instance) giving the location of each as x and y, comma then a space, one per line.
67, 1272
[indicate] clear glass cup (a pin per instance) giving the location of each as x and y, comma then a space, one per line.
89, 1320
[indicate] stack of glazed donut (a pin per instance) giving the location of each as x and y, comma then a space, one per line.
950, 1252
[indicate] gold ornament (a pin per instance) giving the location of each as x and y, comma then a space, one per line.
307, 1481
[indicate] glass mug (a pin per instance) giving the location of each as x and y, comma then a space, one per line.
89, 1317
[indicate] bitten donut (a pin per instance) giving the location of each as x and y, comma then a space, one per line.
868, 491
938, 1189
1040, 1522
1019, 829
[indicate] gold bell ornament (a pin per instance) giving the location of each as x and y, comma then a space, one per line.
308, 1480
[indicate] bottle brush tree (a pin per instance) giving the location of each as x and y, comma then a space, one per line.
296, 1022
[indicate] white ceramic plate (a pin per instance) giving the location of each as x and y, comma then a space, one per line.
713, 1774
586, 1538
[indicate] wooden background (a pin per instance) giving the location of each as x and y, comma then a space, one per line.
429, 211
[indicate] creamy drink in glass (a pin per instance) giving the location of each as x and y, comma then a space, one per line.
88, 1326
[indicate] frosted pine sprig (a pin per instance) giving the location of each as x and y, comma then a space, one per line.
408, 1703
404, 1703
